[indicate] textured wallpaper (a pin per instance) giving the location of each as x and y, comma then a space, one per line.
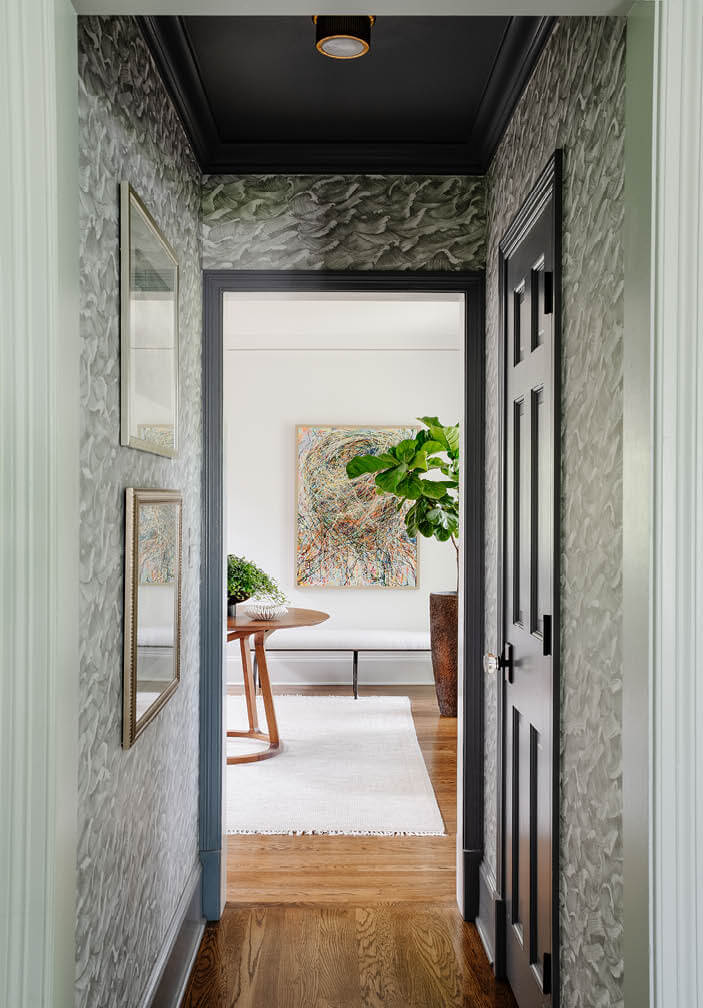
344, 222
575, 100
138, 810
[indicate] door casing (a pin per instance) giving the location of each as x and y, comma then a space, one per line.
470, 768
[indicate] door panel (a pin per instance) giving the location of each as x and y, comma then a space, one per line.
529, 619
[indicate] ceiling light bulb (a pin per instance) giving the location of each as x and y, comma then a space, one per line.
343, 36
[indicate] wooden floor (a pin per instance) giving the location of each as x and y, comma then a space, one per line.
330, 869
349, 922
343, 956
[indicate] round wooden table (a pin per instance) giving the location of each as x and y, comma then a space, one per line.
241, 628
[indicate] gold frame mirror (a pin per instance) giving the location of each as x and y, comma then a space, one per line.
149, 331
152, 605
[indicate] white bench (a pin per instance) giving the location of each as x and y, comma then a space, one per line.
353, 641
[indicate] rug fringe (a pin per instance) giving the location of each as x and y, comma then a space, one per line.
352, 833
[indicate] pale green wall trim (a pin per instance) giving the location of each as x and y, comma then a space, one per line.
637, 482
38, 501
677, 514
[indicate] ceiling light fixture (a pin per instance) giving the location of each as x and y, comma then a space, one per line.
343, 36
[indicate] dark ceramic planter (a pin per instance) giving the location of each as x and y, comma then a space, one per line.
444, 641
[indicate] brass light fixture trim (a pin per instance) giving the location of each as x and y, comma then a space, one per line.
343, 36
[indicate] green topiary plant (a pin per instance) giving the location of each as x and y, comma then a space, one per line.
432, 504
245, 580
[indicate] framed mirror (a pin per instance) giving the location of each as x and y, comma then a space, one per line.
152, 610
149, 331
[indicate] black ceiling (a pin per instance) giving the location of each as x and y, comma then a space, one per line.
433, 95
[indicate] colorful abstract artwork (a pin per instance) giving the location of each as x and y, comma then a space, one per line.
158, 543
347, 535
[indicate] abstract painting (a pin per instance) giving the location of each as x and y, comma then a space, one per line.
347, 535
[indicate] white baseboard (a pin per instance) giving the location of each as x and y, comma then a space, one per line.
289, 668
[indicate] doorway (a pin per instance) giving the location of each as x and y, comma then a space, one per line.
468, 286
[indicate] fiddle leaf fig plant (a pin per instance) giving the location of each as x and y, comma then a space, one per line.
423, 473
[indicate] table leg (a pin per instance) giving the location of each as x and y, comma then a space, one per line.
266, 689
254, 732
249, 685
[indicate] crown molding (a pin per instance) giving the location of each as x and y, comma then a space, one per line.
168, 42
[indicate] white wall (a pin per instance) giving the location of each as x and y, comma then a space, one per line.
291, 380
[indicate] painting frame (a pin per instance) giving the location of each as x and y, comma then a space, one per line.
129, 200
345, 587
132, 725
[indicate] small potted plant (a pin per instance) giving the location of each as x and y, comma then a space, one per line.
409, 471
245, 581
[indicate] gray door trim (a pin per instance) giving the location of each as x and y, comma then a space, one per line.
215, 283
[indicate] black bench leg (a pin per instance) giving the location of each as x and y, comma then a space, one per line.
355, 675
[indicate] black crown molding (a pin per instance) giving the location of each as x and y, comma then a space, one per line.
167, 40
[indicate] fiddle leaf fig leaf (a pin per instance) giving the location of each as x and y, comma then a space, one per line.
432, 446
452, 436
390, 479
366, 464
435, 490
405, 450
440, 437
410, 487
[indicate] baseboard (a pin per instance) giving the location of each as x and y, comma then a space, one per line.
472, 862
490, 919
168, 979
289, 668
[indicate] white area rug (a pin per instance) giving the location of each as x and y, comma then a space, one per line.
351, 767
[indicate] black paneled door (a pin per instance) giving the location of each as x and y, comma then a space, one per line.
530, 631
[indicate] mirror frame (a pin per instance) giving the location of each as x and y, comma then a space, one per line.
127, 196
131, 728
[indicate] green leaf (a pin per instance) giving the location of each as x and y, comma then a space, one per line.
436, 463
366, 464
434, 489
389, 480
387, 459
440, 437
405, 450
432, 446
420, 461
410, 487
438, 517
430, 421
443, 534
452, 436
